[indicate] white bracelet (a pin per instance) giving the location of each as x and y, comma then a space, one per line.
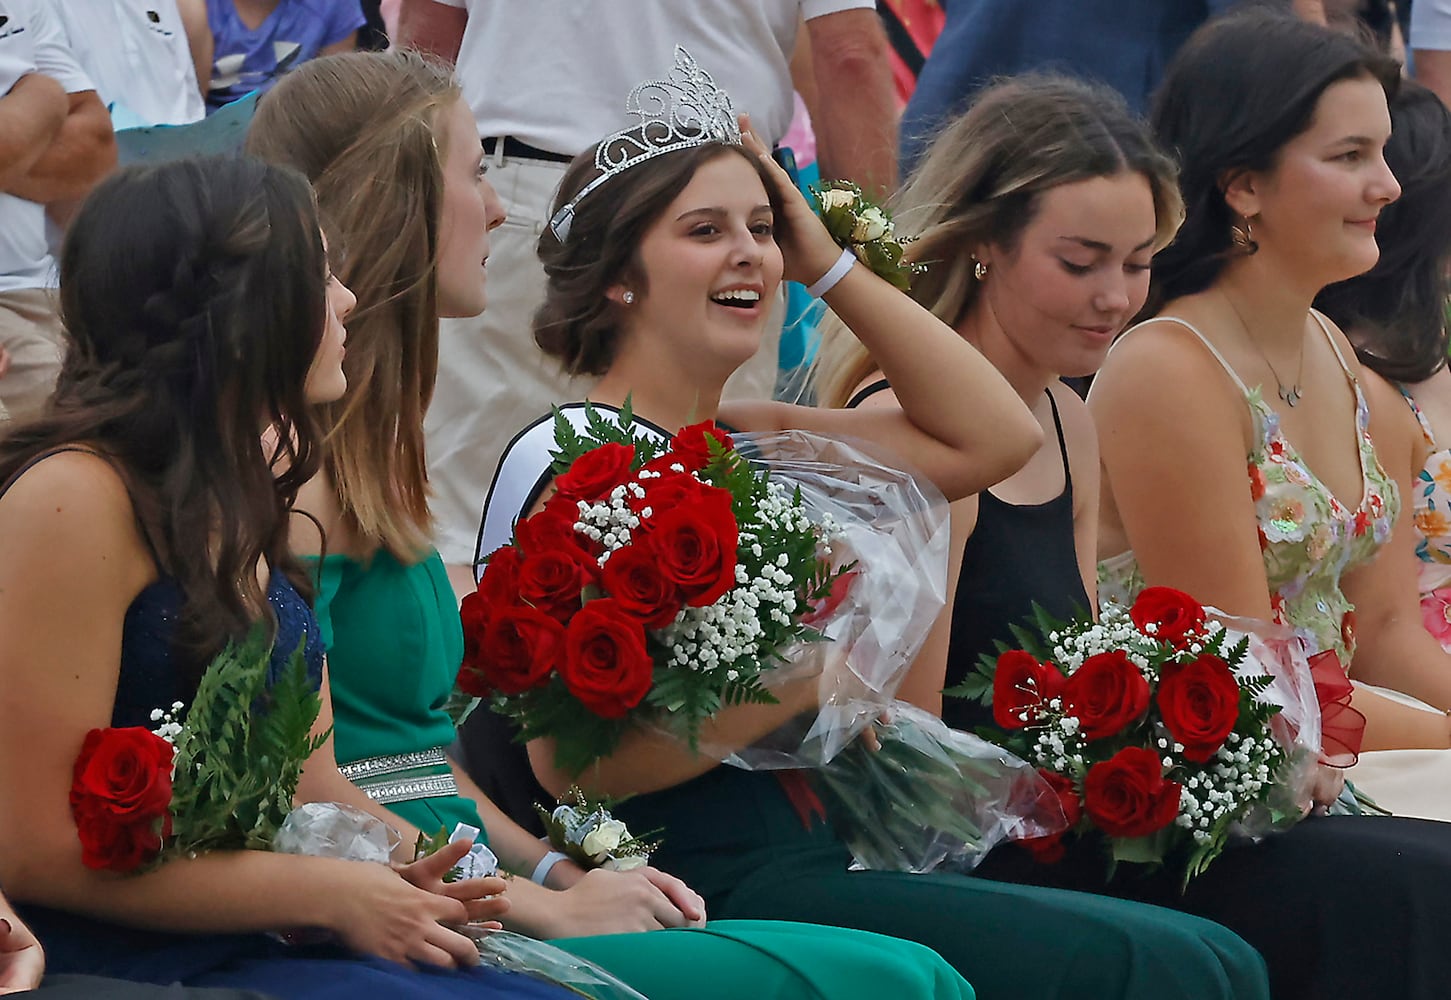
828, 280
546, 865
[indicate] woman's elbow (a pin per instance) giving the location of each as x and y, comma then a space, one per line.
994, 458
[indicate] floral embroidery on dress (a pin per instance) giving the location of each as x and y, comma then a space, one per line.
1308, 537
1430, 502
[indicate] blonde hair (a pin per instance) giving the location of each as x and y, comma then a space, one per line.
979, 183
364, 127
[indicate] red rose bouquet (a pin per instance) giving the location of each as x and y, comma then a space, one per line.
1156, 727
222, 777
671, 577
661, 582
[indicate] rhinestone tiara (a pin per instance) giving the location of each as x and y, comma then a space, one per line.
685, 110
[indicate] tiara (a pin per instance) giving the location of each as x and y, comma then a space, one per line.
685, 110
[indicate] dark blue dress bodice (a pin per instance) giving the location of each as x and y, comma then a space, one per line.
150, 676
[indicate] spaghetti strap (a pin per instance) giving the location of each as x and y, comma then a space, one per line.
1228, 369
1325, 329
866, 392
1062, 442
35, 460
1426, 431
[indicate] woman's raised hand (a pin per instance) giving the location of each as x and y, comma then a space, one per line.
806, 247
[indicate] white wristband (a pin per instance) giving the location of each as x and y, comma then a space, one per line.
837, 271
546, 865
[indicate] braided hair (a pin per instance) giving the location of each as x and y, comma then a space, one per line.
193, 300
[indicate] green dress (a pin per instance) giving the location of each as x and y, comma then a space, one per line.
395, 644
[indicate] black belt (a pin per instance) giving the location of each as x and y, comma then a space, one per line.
514, 149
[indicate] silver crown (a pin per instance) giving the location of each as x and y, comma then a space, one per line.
685, 110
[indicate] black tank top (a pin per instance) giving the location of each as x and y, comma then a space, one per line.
1017, 555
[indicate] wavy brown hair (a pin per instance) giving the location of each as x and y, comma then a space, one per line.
193, 296
577, 323
980, 183
363, 128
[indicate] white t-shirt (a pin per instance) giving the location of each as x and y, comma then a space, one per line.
137, 55
30, 41
555, 73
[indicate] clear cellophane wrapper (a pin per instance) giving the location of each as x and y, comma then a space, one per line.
930, 793
334, 830
1278, 652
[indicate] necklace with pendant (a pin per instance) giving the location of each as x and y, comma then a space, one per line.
1291, 394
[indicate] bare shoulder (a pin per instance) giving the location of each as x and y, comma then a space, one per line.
317, 518
1078, 427
72, 514
1161, 368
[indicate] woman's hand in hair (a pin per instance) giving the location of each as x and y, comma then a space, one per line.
806, 247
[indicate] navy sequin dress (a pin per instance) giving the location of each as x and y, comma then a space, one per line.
151, 677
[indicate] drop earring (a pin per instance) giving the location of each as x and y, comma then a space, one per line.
979, 270
1242, 235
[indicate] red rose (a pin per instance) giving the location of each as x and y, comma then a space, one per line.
517, 649
1175, 615
1105, 694
553, 583
552, 530
1127, 795
499, 584
120, 797
672, 489
633, 578
606, 666
1020, 687
692, 445
695, 545
595, 473
1199, 703
1049, 849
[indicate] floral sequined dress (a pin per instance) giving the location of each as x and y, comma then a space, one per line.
1430, 502
1308, 537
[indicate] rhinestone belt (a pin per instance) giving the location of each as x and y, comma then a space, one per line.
388, 779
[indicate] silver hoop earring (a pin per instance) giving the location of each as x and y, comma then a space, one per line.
628, 298
979, 270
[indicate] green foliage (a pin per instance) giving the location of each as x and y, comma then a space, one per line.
241, 750
883, 254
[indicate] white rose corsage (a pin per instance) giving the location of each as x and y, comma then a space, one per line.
865, 229
588, 835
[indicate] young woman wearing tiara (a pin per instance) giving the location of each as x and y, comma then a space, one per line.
392, 151
646, 287
143, 524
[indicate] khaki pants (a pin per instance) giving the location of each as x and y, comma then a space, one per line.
492, 378
30, 332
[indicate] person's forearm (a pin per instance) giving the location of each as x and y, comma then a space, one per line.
435, 28
856, 106
647, 760
220, 892
31, 114
518, 850
81, 153
1403, 656
946, 388
1391, 725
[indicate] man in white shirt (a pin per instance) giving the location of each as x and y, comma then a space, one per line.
144, 56
55, 143
548, 79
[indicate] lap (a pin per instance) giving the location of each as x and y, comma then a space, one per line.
988, 930
771, 960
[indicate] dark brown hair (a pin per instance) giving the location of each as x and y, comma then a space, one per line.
1242, 87
194, 298
577, 324
364, 129
1395, 313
